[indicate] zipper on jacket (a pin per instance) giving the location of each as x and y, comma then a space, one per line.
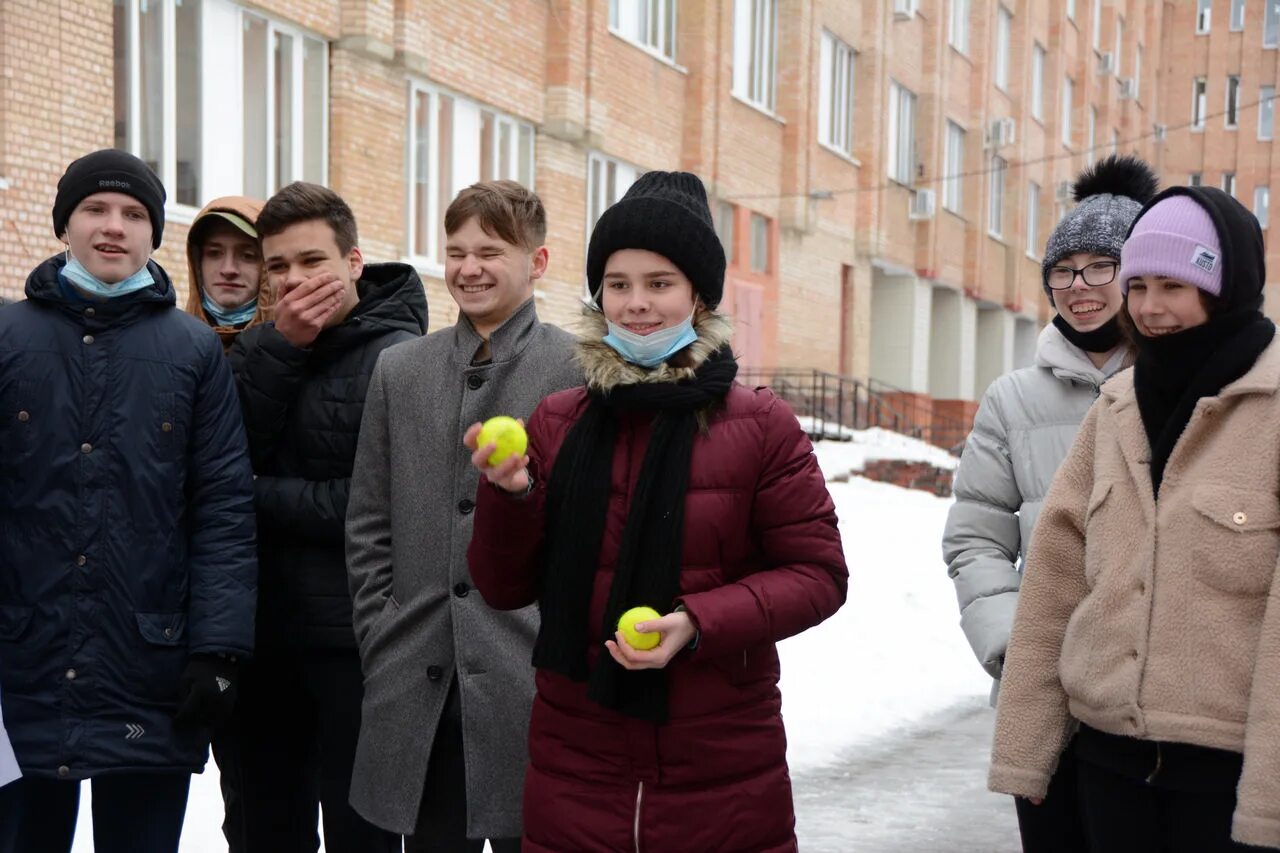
1156, 771
639, 800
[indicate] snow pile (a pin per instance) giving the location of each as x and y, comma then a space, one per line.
894, 653
841, 458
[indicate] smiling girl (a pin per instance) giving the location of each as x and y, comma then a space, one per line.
662, 483
1150, 612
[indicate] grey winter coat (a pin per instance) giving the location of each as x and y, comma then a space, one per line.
1024, 428
418, 623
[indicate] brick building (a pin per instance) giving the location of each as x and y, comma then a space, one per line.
883, 173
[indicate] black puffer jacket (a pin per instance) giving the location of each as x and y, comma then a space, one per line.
302, 410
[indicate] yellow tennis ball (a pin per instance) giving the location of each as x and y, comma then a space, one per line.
635, 639
507, 434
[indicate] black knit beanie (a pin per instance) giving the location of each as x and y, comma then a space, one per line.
665, 213
109, 171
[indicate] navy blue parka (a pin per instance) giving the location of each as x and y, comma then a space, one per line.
126, 525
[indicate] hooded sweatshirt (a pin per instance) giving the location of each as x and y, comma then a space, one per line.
247, 209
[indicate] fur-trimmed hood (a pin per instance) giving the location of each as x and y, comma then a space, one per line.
605, 370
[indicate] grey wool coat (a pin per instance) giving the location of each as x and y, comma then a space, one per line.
1024, 428
417, 621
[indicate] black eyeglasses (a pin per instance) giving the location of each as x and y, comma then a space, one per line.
1097, 274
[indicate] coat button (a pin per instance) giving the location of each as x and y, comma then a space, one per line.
1239, 518
466, 505
168, 633
71, 675
88, 339
81, 560
24, 416
86, 448
166, 427
461, 590
435, 673
89, 312
474, 381
64, 771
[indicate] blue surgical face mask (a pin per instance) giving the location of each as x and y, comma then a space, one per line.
229, 316
75, 273
652, 349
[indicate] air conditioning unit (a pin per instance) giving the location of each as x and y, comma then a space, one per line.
1001, 132
924, 203
1063, 191
904, 10
1161, 131
1106, 64
1128, 88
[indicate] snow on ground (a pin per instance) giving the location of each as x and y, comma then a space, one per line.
893, 655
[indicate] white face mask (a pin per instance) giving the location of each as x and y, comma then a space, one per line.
652, 349
75, 272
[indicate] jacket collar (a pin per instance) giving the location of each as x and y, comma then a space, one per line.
1069, 362
505, 342
605, 369
1262, 378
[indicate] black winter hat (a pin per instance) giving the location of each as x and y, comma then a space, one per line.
109, 171
666, 213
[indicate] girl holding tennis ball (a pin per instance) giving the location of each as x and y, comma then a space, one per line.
661, 484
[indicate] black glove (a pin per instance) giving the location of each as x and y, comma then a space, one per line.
206, 691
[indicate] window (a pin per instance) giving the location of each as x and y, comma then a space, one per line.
725, 213
1033, 219
607, 181
958, 31
1237, 15
1115, 141
995, 210
1262, 205
1196, 179
1270, 23
1119, 44
902, 134
1004, 23
952, 168
1071, 10
1233, 100
453, 143
1199, 88
1137, 73
1266, 112
835, 95
759, 243
1068, 96
1229, 183
1203, 10
1096, 23
256, 123
1093, 133
755, 29
1037, 83
651, 24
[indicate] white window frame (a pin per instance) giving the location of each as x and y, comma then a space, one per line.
1067, 107
900, 162
608, 180
1229, 183
958, 26
1092, 142
1231, 117
1267, 113
1204, 16
1199, 102
1004, 31
1033, 220
836, 92
1262, 205
465, 167
1096, 24
1237, 16
995, 200
651, 25
1137, 73
221, 78
953, 168
755, 52
1037, 82
1195, 179
1071, 11
1270, 23
1118, 49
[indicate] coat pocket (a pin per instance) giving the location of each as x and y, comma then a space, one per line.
163, 629
157, 663
1096, 533
1236, 552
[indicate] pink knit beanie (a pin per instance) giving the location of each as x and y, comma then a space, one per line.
1175, 238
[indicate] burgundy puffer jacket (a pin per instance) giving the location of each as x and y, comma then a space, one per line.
762, 561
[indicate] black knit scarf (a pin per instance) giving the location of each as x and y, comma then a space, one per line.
1105, 338
1173, 372
647, 571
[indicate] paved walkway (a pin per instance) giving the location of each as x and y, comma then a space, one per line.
922, 791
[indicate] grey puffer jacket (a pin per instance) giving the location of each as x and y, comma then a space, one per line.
1024, 428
